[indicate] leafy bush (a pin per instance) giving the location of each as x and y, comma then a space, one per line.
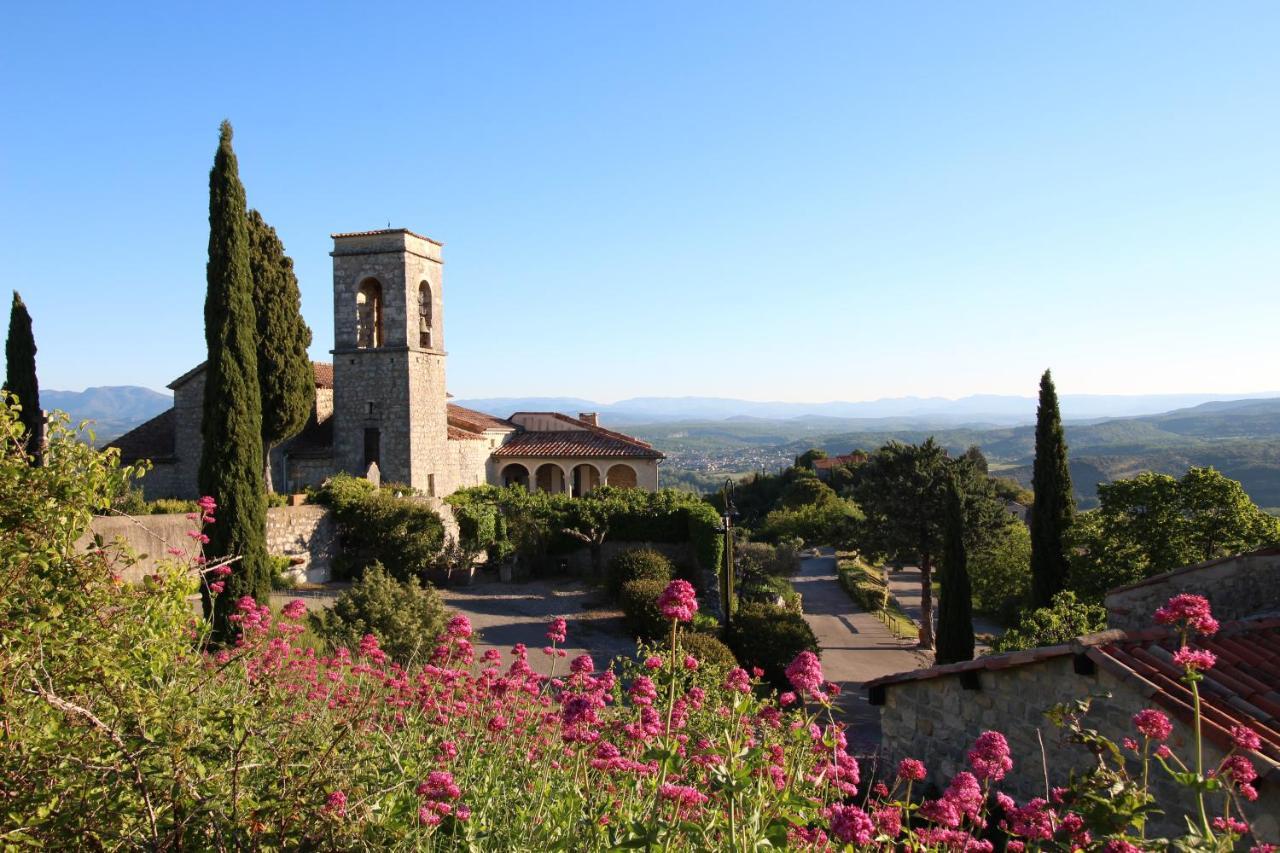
378, 525
638, 564
770, 590
758, 559
815, 524
281, 578
709, 651
1000, 574
639, 601
406, 617
275, 499
1060, 623
770, 638
171, 506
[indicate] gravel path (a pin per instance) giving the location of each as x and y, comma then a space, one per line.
856, 647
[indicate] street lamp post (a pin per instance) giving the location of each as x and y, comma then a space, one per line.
726, 585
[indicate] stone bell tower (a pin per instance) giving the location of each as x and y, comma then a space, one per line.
389, 401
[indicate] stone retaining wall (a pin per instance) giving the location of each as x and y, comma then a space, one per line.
1237, 587
305, 533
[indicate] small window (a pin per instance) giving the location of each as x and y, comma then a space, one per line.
369, 314
424, 315
372, 447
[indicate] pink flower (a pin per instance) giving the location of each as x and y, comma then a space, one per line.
911, 770
679, 601
1245, 738
582, 665
294, 609
336, 803
557, 631
1129, 744
1119, 845
690, 662
653, 662
207, 504
1194, 660
1163, 751
990, 756
459, 626
217, 586
787, 698
684, 795
1153, 724
439, 785
1230, 824
737, 681
852, 825
805, 673
1238, 769
176, 552
1190, 609
888, 820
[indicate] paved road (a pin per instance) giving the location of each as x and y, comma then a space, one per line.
904, 583
856, 647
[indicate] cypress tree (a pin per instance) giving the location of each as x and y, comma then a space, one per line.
1054, 507
955, 610
20, 375
285, 378
231, 461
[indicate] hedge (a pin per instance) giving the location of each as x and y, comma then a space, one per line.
770, 638
639, 601
377, 525
638, 564
709, 651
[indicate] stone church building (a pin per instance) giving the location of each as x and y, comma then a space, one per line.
382, 404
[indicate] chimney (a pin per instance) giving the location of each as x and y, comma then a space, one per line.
589, 417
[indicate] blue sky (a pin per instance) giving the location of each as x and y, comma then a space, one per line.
794, 201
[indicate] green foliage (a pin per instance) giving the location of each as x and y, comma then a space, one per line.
955, 606
805, 490
710, 652
805, 460
770, 638
826, 523
638, 564
231, 462
639, 601
20, 373
1066, 619
758, 559
1000, 574
286, 380
1153, 523
539, 525
406, 617
768, 589
1054, 504
281, 578
401, 533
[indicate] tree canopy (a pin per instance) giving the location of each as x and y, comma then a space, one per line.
1054, 505
20, 374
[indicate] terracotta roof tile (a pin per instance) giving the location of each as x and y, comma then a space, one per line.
153, 439
379, 231
836, 461
463, 418
322, 370
456, 434
583, 443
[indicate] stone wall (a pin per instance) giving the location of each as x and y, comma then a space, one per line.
937, 721
1237, 587
188, 443
302, 532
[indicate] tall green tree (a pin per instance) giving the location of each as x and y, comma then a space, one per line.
231, 461
285, 377
20, 374
901, 490
1054, 506
955, 608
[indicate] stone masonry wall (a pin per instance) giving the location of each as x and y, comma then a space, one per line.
1237, 587
188, 412
937, 721
303, 532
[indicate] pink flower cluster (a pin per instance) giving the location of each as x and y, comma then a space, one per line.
990, 757
679, 601
805, 674
1189, 610
1153, 724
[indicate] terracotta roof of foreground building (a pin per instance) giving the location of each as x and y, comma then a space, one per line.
584, 442
470, 420
1242, 688
153, 439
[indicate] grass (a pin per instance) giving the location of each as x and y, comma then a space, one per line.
865, 585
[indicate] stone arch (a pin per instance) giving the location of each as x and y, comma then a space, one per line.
551, 478
585, 477
622, 476
369, 314
515, 474
425, 328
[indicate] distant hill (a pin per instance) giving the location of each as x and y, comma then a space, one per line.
988, 409
114, 409
1241, 438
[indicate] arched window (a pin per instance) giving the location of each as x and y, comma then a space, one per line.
369, 314
424, 315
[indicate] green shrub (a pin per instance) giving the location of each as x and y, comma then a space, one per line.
378, 525
1000, 574
280, 576
1065, 620
171, 506
405, 616
709, 651
638, 564
275, 499
770, 638
639, 600
770, 590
